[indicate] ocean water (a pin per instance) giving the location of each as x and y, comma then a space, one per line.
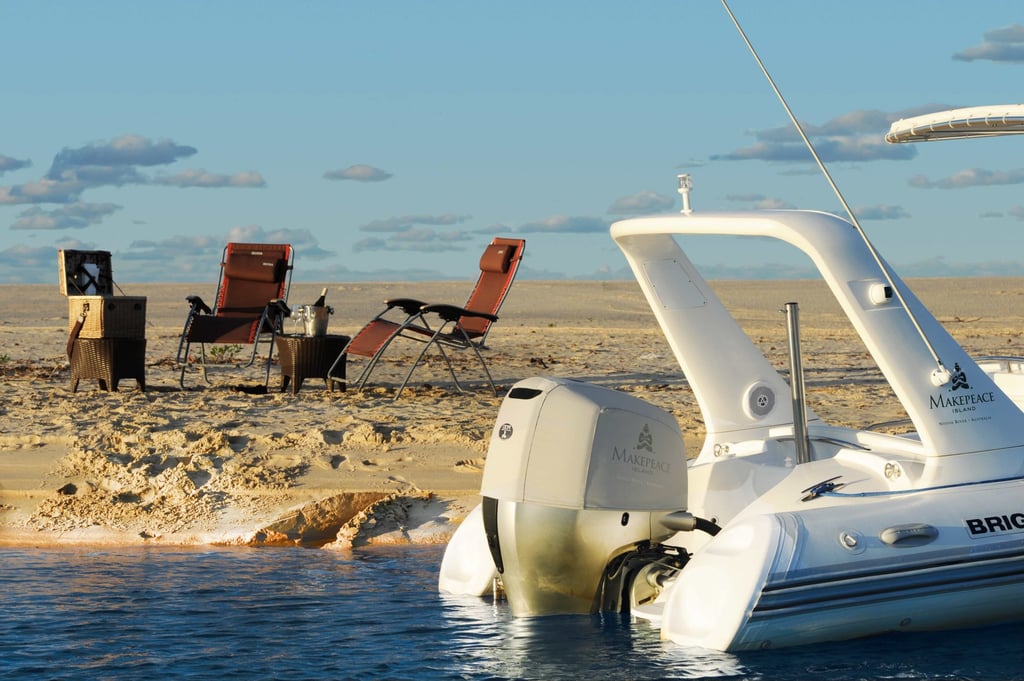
159, 613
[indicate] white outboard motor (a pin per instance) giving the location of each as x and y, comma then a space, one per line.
578, 477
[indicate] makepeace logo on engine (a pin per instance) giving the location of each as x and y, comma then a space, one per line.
640, 462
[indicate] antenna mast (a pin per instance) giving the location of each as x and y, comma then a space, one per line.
941, 375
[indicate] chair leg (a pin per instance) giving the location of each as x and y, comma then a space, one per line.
484, 365
183, 363
202, 362
270, 355
332, 377
419, 357
256, 349
451, 369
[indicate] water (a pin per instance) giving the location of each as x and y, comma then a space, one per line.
376, 614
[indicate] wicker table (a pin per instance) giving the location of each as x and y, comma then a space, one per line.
304, 357
108, 360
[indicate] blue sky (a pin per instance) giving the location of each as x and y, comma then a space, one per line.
391, 140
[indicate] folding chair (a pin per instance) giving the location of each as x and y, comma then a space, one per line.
440, 325
251, 302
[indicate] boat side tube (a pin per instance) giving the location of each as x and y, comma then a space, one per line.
467, 568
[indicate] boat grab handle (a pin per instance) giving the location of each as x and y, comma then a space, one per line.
911, 534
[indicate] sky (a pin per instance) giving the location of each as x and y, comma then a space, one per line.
391, 140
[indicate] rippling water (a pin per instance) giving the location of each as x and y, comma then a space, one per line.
376, 614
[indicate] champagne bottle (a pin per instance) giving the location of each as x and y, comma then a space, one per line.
321, 301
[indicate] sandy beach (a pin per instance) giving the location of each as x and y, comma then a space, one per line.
217, 465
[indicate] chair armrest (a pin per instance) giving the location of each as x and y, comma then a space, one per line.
452, 313
408, 305
197, 304
280, 307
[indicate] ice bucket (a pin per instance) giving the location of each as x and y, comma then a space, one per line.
313, 319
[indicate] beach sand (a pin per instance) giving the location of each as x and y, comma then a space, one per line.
217, 465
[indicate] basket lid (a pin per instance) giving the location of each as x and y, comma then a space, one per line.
85, 273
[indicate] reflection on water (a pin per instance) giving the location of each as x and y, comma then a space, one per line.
302, 614
493, 642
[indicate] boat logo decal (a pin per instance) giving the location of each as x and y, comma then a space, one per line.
959, 378
641, 463
645, 440
505, 431
960, 401
995, 524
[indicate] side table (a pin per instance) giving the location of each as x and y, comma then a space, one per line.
108, 360
305, 357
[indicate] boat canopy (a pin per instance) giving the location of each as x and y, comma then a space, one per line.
975, 121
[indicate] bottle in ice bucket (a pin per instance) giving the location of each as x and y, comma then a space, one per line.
315, 316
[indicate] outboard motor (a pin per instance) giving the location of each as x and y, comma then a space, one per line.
577, 478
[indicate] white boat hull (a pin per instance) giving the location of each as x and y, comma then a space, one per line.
854, 568
783, 530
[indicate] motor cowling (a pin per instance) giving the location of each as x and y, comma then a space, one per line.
576, 475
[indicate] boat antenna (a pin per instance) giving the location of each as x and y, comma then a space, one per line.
941, 375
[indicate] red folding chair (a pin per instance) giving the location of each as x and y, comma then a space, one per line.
250, 305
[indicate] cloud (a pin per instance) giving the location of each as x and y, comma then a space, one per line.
196, 247
419, 239
1017, 212
22, 256
999, 45
41, 191
71, 216
127, 150
96, 165
202, 244
644, 202
194, 258
565, 224
406, 222
359, 173
175, 259
302, 240
8, 164
830, 148
372, 243
404, 234
114, 164
201, 178
854, 136
881, 212
760, 201
972, 177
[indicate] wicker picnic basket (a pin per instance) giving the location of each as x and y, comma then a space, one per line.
86, 278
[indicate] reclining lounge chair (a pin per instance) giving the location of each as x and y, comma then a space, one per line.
250, 305
440, 325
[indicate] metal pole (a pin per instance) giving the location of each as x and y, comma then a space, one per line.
796, 380
940, 375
